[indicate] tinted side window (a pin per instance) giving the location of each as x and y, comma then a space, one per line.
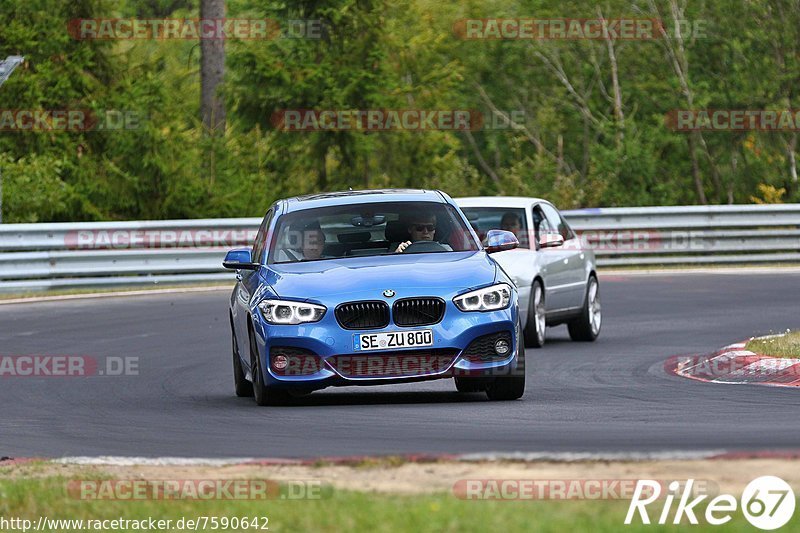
556, 221
261, 238
483, 219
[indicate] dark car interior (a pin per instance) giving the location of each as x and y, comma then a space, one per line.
360, 243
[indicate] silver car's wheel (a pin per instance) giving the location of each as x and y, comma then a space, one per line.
587, 326
595, 310
537, 318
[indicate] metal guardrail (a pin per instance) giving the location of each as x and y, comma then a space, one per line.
685, 217
122, 235
691, 235
36, 257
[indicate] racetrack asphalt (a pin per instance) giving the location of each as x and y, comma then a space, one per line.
612, 395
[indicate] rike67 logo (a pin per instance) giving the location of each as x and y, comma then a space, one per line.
767, 502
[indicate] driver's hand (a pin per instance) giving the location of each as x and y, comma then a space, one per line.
402, 247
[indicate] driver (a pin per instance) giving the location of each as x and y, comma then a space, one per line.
421, 227
512, 222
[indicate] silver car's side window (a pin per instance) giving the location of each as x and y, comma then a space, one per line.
541, 224
556, 221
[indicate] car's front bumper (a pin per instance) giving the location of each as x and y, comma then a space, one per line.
328, 350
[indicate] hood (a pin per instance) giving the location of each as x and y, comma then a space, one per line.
356, 278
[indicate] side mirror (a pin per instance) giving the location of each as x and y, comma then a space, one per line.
239, 259
498, 240
551, 240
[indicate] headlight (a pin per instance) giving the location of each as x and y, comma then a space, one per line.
285, 312
486, 299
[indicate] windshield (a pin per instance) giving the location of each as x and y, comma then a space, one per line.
360, 230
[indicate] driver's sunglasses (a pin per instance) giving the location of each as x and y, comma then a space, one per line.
424, 227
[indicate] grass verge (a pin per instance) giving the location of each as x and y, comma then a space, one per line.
338, 511
787, 345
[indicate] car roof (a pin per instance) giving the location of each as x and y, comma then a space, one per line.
326, 199
497, 201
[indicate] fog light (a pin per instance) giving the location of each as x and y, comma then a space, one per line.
280, 362
501, 347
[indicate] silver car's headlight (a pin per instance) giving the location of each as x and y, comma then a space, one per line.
486, 299
288, 313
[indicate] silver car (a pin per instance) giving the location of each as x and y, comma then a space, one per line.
555, 274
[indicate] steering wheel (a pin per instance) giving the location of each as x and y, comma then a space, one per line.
424, 246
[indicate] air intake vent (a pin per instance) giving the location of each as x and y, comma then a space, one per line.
363, 315
482, 349
418, 311
393, 364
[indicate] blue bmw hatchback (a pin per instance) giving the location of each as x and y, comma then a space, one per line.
373, 287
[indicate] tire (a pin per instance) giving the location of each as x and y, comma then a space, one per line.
263, 394
537, 322
244, 389
586, 328
466, 384
511, 387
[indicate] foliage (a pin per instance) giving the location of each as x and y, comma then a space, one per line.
570, 142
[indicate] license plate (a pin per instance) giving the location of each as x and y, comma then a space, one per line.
392, 339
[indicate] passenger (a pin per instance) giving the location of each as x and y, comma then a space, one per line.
313, 243
305, 244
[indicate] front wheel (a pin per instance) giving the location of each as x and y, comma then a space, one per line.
244, 389
263, 394
537, 321
511, 387
587, 327
467, 384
